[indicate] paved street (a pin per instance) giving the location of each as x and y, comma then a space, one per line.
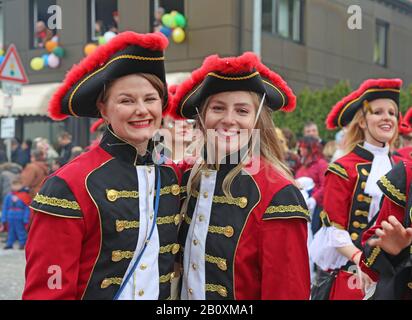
11, 272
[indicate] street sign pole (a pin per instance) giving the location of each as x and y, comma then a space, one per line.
8, 103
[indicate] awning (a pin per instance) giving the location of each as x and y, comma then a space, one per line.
33, 101
35, 97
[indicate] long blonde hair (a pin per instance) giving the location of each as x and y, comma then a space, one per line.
355, 134
270, 149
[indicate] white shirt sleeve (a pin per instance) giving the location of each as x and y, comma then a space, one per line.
322, 249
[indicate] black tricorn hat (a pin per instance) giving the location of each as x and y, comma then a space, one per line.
243, 73
127, 53
344, 111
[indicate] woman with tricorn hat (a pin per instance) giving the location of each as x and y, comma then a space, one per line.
105, 224
387, 245
245, 226
352, 197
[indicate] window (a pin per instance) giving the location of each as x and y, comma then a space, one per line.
40, 21
160, 7
381, 43
283, 17
104, 17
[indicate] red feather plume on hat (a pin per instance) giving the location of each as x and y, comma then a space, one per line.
405, 123
95, 126
371, 83
234, 65
152, 41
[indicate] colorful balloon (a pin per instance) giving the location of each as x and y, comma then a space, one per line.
1, 59
109, 35
178, 35
101, 40
168, 21
166, 31
1, 52
180, 20
59, 51
89, 48
45, 58
53, 61
37, 63
51, 45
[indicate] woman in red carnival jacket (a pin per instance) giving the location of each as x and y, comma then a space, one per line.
352, 197
245, 227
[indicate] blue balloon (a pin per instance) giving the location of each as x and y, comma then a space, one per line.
45, 58
166, 31
1, 59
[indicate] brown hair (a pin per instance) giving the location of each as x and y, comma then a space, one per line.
154, 81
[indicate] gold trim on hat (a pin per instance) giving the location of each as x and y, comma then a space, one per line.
124, 56
353, 101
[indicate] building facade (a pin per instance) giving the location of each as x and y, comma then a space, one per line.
311, 43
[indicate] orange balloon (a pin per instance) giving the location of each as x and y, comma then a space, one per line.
89, 48
51, 45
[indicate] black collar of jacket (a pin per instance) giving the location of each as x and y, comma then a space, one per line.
363, 153
123, 150
366, 154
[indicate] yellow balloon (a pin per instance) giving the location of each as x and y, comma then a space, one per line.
178, 35
1, 52
37, 63
89, 48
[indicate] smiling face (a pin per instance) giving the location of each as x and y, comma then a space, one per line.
133, 108
228, 116
381, 121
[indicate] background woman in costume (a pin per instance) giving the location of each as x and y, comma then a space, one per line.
313, 166
178, 133
245, 224
95, 216
352, 196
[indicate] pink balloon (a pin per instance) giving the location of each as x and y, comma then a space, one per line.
53, 61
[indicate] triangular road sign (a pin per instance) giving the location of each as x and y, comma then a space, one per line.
12, 69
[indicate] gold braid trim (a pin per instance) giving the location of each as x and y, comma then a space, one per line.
287, 209
324, 216
119, 255
392, 189
56, 202
372, 258
167, 277
241, 202
107, 282
166, 220
124, 224
183, 189
113, 195
220, 262
227, 231
173, 248
221, 290
338, 169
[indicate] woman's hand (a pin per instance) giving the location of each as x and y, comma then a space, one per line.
393, 237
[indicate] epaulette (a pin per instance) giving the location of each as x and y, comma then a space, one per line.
393, 184
288, 203
55, 198
339, 170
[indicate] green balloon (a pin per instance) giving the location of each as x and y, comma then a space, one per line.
59, 51
102, 40
180, 20
168, 20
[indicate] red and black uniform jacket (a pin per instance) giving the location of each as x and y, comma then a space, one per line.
86, 214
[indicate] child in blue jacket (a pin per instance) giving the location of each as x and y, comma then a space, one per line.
16, 214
